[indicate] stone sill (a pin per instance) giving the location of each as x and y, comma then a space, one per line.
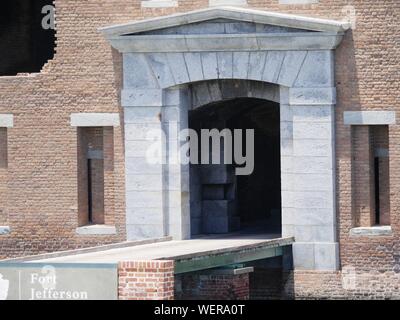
233, 272
4, 230
371, 231
96, 229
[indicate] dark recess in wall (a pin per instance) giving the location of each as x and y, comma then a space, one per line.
24, 45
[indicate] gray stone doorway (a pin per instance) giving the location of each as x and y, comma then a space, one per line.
171, 65
222, 201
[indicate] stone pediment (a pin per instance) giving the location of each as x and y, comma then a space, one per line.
226, 29
246, 19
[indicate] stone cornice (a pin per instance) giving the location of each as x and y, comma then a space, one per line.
240, 14
227, 42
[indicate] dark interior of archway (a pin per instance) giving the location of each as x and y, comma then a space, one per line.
24, 45
256, 197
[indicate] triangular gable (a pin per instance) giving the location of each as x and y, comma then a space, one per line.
230, 13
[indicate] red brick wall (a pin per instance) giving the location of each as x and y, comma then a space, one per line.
342, 285
266, 283
85, 76
209, 286
146, 280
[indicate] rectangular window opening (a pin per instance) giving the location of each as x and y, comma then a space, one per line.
380, 142
370, 175
91, 176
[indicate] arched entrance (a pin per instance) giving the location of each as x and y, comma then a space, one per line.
222, 201
170, 65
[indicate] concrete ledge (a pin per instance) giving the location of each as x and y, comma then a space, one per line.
159, 4
369, 117
4, 230
6, 120
371, 231
215, 3
231, 271
73, 252
95, 120
96, 230
226, 42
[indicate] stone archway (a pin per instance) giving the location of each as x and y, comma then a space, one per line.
163, 56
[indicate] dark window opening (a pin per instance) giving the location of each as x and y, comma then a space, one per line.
24, 45
377, 191
380, 145
89, 183
370, 175
91, 176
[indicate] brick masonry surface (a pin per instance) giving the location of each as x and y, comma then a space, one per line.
146, 280
39, 199
205, 286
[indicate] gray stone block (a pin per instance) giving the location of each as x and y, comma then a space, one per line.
225, 65
240, 64
371, 231
316, 147
141, 97
326, 256
307, 182
177, 63
137, 72
144, 199
215, 91
217, 209
312, 130
142, 115
314, 113
143, 131
303, 199
210, 65
312, 96
369, 117
317, 70
216, 174
161, 69
193, 62
142, 216
216, 225
303, 256
256, 65
291, 67
146, 231
306, 164
140, 165
144, 182
273, 66
309, 216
